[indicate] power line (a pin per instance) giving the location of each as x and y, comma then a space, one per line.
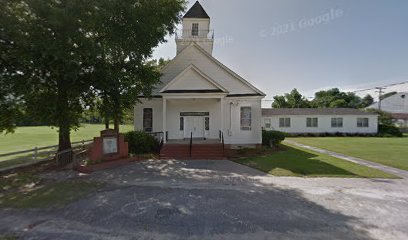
385, 86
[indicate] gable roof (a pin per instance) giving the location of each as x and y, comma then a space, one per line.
266, 112
196, 11
192, 67
214, 60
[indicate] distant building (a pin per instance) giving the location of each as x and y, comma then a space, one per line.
397, 105
319, 120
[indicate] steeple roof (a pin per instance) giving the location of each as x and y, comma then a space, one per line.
196, 11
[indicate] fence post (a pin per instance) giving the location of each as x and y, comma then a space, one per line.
83, 144
35, 155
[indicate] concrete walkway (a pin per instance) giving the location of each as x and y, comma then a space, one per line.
395, 171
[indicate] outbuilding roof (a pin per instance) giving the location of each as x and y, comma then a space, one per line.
313, 111
196, 11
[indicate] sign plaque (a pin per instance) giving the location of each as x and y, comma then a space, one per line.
110, 145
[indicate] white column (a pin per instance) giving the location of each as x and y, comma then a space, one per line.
164, 119
222, 113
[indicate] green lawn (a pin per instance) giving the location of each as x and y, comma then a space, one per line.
294, 161
26, 138
388, 151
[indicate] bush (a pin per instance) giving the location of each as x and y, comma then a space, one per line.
272, 138
141, 143
389, 131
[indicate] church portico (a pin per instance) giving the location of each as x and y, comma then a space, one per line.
199, 117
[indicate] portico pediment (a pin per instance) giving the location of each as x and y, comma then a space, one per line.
193, 80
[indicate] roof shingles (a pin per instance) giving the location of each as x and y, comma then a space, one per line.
196, 11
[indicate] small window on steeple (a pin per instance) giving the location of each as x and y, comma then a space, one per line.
194, 29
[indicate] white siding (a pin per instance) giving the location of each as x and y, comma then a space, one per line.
157, 105
191, 80
298, 124
206, 65
234, 135
397, 103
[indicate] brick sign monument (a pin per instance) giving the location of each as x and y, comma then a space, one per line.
109, 146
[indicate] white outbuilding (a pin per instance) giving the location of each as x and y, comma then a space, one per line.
319, 120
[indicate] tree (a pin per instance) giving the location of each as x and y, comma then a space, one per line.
130, 32
334, 98
367, 100
54, 55
51, 75
384, 118
280, 102
291, 100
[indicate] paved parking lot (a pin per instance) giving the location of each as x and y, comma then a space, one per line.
220, 200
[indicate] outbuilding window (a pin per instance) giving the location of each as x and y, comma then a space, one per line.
362, 122
246, 118
148, 119
337, 122
284, 122
312, 122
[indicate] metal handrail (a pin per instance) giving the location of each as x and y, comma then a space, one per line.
191, 142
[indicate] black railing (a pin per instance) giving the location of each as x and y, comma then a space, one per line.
191, 142
223, 144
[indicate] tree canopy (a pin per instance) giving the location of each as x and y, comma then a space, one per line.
57, 56
291, 100
332, 98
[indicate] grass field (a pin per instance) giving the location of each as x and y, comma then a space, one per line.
29, 137
388, 151
297, 162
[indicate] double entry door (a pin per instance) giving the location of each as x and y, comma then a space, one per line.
195, 125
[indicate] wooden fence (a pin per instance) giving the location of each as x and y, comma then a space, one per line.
37, 154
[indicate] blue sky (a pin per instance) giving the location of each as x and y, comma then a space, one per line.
310, 45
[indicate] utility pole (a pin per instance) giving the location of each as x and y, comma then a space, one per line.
380, 92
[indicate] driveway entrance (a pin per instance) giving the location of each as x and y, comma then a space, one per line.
219, 200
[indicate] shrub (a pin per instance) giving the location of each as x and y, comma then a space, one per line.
272, 138
389, 131
141, 142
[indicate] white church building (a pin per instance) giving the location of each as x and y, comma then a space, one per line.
199, 96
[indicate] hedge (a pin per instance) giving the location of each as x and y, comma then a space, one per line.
141, 143
272, 138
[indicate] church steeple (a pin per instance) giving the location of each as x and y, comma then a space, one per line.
196, 28
196, 11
